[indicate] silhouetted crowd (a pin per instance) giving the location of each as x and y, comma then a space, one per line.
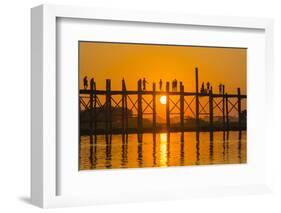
174, 84
208, 89
204, 89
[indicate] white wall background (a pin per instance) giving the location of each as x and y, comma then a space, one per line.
15, 104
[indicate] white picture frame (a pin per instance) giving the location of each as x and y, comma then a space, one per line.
45, 178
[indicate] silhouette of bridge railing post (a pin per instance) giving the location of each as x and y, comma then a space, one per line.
197, 100
154, 106
140, 112
227, 111
182, 112
124, 109
168, 106
91, 107
211, 112
108, 120
239, 108
182, 106
223, 108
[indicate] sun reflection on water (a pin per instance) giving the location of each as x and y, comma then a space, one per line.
163, 149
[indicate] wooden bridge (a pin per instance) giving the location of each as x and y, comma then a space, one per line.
90, 101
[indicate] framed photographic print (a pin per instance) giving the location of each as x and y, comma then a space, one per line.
181, 120
130, 106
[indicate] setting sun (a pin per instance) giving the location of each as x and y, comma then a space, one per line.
163, 99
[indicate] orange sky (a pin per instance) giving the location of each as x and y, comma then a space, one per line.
134, 61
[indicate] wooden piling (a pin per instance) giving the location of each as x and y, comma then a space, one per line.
91, 110
140, 115
182, 106
168, 106
124, 108
154, 106
239, 109
108, 107
211, 111
226, 111
126, 114
95, 108
197, 100
223, 108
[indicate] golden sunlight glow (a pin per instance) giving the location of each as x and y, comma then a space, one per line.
163, 99
163, 137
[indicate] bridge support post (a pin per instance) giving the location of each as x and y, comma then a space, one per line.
124, 110
91, 110
182, 109
95, 107
211, 111
168, 106
227, 111
239, 109
197, 100
140, 115
108, 107
223, 108
154, 106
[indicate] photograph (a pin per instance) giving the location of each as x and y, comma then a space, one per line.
144, 105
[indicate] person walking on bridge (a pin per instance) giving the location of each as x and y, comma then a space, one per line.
208, 87
144, 82
220, 88
175, 85
202, 88
85, 82
160, 84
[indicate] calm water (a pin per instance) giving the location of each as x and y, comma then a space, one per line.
162, 150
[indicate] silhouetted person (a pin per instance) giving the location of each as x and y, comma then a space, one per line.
175, 85
123, 83
85, 81
160, 84
202, 88
92, 83
144, 82
220, 88
208, 86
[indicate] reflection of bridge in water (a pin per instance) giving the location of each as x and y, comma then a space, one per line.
90, 102
164, 149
